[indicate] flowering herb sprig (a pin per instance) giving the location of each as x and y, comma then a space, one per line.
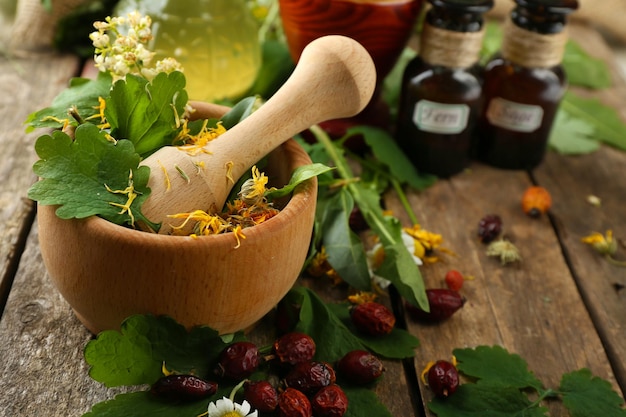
127, 53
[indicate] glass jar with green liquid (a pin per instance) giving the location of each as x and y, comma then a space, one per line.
216, 42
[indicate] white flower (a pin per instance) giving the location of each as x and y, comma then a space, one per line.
376, 256
227, 408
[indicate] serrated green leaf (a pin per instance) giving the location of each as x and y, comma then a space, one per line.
473, 400
145, 112
494, 366
301, 174
82, 93
585, 395
572, 136
135, 354
344, 248
143, 404
74, 175
607, 124
387, 151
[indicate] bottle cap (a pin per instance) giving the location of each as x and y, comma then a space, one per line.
464, 6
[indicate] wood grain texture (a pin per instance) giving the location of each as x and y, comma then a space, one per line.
26, 86
571, 180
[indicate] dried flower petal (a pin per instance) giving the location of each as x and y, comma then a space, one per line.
505, 250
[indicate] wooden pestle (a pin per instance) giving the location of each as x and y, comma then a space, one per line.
334, 78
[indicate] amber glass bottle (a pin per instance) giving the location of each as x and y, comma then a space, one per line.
524, 84
441, 88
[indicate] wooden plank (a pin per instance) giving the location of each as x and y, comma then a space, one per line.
531, 308
571, 181
27, 84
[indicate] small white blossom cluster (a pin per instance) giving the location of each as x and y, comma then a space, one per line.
122, 54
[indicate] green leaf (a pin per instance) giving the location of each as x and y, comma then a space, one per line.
330, 326
300, 175
387, 151
608, 126
333, 338
240, 111
145, 112
585, 395
142, 404
74, 174
399, 344
497, 367
400, 268
135, 354
82, 93
474, 400
344, 248
584, 70
276, 68
364, 402
571, 135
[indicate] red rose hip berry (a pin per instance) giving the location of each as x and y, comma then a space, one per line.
373, 318
261, 395
293, 403
238, 361
309, 377
360, 367
443, 304
454, 280
329, 401
443, 378
489, 227
294, 347
183, 388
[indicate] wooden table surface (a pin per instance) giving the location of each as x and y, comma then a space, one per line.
562, 308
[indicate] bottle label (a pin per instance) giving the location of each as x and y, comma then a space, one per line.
433, 117
514, 116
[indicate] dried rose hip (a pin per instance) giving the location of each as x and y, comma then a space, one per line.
294, 347
293, 403
360, 367
454, 280
357, 220
443, 378
261, 395
373, 318
330, 401
443, 304
309, 377
238, 361
489, 227
536, 201
183, 388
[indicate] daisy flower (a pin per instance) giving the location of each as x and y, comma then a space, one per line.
227, 408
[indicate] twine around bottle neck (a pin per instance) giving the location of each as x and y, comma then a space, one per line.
531, 49
449, 48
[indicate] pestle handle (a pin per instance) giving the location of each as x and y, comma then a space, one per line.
335, 78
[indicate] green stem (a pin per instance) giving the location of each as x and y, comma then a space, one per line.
549, 393
395, 184
404, 201
615, 262
235, 389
